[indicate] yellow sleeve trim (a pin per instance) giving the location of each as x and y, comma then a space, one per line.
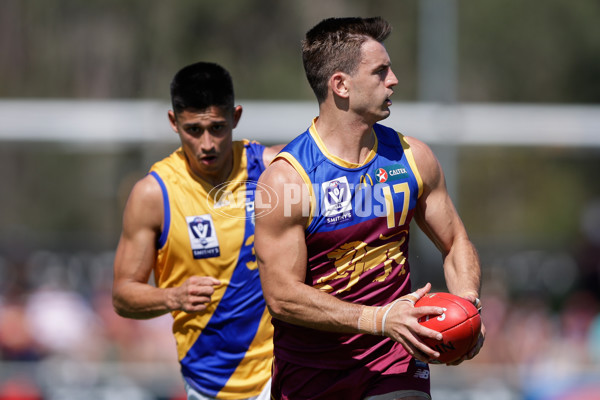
411, 161
298, 167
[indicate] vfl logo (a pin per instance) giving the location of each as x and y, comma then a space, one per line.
337, 200
201, 229
336, 192
336, 195
203, 237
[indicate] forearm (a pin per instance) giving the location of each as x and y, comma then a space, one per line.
462, 268
140, 300
303, 305
309, 307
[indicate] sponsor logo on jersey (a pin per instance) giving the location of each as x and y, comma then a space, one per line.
390, 173
337, 204
381, 175
203, 236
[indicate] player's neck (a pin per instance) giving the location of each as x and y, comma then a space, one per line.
351, 141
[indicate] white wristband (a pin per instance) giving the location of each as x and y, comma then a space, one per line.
386, 314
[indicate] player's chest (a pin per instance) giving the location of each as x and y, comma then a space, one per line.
386, 189
211, 226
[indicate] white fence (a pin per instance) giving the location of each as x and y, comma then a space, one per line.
114, 121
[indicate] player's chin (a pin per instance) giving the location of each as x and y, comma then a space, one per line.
383, 114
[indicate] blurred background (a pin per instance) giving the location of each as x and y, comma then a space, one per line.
507, 93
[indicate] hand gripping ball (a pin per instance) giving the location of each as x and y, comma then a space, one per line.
459, 325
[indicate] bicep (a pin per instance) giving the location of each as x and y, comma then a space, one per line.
438, 219
142, 221
279, 236
281, 252
436, 215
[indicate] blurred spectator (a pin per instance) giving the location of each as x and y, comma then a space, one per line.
576, 319
494, 314
588, 252
64, 323
528, 331
536, 345
20, 389
16, 338
135, 340
593, 341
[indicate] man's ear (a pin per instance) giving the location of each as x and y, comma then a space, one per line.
237, 114
173, 121
338, 83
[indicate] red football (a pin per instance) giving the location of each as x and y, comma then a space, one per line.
459, 325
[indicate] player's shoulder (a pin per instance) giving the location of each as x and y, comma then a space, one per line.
267, 153
421, 152
427, 163
282, 183
147, 191
145, 204
280, 172
417, 145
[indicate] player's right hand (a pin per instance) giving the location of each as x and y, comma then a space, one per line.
195, 293
402, 326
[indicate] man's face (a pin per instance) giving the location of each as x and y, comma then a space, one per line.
371, 85
206, 139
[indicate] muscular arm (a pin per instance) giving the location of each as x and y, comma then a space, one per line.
281, 254
133, 296
438, 218
282, 260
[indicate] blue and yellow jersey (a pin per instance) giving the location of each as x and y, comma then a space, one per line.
226, 351
357, 241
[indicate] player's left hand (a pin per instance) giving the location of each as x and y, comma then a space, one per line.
475, 350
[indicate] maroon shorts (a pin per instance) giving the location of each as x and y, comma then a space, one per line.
294, 382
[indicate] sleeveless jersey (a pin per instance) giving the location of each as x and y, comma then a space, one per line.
357, 243
225, 351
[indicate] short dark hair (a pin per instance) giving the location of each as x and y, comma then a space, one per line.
200, 86
334, 44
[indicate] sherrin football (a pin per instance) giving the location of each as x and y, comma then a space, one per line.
459, 325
